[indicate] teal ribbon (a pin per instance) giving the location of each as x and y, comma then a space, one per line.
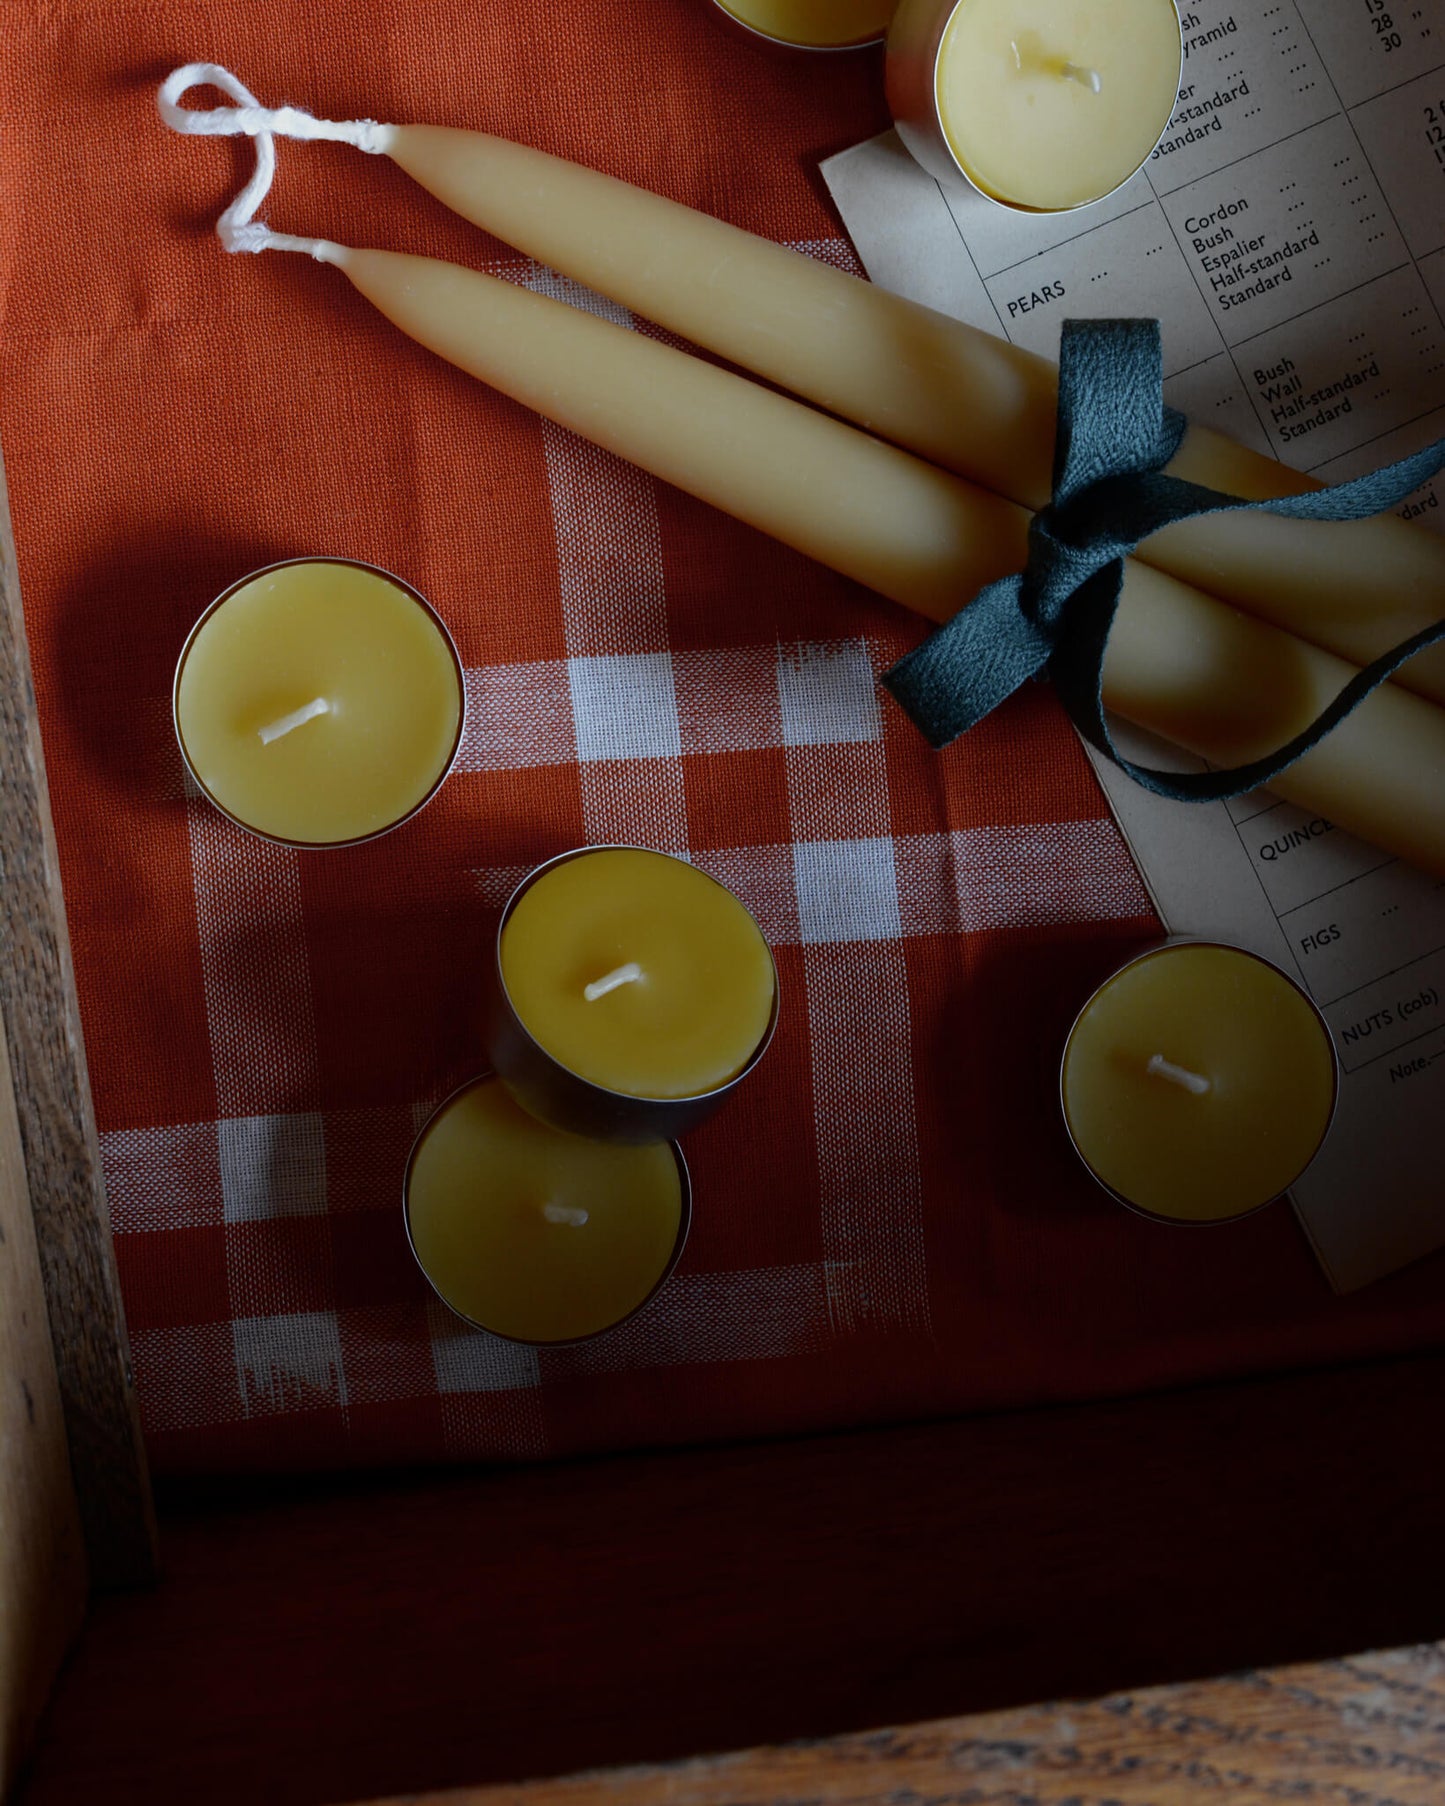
1114, 438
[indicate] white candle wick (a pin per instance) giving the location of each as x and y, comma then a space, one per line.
297, 718
1194, 1082
1086, 78
619, 975
570, 1214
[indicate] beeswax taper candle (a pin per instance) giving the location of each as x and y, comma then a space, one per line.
1198, 1083
319, 702
955, 395
1180, 664
534, 1234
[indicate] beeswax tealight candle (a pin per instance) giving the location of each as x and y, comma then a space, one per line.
1198, 1082
319, 702
537, 1235
814, 24
634, 991
1042, 104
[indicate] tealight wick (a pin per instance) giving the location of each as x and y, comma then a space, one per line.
620, 975
1194, 1082
1086, 78
565, 1213
297, 718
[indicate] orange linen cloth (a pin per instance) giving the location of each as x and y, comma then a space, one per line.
888, 1221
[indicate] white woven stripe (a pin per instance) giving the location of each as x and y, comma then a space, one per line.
624, 707
859, 1021
495, 883
838, 791
635, 802
614, 617
658, 704
882, 887
469, 1360
272, 1166
254, 966
827, 694
490, 1390
837, 251
727, 699
604, 512
756, 1314
517, 716
165, 1178
1073, 871
261, 1022
288, 1362
763, 877
186, 1377
870, 1180
847, 891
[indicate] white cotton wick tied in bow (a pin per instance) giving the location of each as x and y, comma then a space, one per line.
238, 228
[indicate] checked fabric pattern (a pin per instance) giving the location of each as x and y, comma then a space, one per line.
888, 1222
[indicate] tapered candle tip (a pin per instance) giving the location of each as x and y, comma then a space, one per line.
1193, 1082
619, 975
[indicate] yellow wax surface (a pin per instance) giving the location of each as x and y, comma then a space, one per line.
823, 24
535, 1234
1016, 94
1180, 664
956, 395
319, 632
1230, 1019
692, 1019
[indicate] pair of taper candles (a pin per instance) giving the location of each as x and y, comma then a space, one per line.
894, 511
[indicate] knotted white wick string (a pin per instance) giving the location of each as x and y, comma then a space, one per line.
238, 229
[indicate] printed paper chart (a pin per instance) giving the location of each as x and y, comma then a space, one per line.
1289, 231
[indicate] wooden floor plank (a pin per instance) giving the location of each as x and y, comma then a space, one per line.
1367, 1732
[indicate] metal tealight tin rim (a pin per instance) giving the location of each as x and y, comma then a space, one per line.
684, 1227
768, 37
579, 1105
1148, 952
915, 44
427, 608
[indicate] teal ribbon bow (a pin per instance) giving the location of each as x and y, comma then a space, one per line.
1114, 438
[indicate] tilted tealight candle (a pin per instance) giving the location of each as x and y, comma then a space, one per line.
632, 992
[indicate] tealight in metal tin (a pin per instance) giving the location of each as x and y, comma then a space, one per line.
684, 1227
561, 1097
915, 43
406, 589
1147, 952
